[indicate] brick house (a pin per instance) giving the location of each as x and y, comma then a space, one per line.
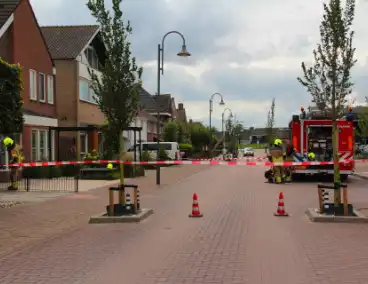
21, 41
168, 109
148, 104
74, 50
182, 115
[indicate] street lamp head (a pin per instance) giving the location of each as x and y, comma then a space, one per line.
222, 102
231, 115
184, 52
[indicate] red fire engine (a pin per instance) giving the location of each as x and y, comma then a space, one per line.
312, 132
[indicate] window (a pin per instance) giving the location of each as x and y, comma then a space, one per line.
92, 57
92, 96
34, 147
86, 92
43, 145
83, 144
41, 93
33, 85
40, 145
50, 90
83, 90
153, 146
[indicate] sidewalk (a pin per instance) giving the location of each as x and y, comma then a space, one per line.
361, 170
27, 224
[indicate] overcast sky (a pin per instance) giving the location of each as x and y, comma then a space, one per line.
249, 51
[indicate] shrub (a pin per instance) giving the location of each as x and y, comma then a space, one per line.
186, 147
92, 156
163, 156
146, 156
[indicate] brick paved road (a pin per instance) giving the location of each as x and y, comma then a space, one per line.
237, 241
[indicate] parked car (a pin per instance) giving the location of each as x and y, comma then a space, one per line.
248, 152
171, 148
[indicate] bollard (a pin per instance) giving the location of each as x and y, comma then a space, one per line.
326, 199
138, 201
128, 202
323, 195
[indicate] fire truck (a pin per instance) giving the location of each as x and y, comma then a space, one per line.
312, 132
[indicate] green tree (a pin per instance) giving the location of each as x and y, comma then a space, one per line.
11, 106
117, 90
362, 129
199, 135
329, 79
183, 133
270, 122
171, 131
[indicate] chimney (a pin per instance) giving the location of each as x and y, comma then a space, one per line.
181, 106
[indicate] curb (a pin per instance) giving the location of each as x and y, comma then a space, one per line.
359, 175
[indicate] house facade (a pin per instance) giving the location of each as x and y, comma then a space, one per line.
75, 50
21, 41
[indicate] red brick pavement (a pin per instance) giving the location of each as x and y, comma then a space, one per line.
25, 225
237, 241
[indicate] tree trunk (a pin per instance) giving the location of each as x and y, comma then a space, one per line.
121, 155
337, 180
335, 135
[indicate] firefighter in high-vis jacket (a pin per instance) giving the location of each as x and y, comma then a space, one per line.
276, 153
15, 157
288, 157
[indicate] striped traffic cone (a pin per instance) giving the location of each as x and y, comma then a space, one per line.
195, 207
281, 207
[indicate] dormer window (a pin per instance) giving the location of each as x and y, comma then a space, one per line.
92, 57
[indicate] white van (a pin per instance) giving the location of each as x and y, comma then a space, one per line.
171, 148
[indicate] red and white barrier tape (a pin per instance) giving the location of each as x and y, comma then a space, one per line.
247, 159
182, 162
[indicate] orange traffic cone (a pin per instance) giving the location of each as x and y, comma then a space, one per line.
195, 207
281, 207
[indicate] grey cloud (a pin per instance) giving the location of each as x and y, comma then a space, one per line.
205, 25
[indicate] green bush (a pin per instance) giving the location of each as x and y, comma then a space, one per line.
146, 156
185, 147
163, 156
92, 156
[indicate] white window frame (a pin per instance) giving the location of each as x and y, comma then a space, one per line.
33, 85
94, 58
85, 144
53, 145
39, 156
42, 100
50, 89
43, 155
34, 147
91, 95
80, 96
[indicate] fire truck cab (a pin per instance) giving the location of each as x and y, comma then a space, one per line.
312, 132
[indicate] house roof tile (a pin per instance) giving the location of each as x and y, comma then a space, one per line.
7, 7
67, 42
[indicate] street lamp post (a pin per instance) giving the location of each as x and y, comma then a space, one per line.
160, 71
211, 109
222, 127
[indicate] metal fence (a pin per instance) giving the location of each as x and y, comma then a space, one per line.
34, 181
